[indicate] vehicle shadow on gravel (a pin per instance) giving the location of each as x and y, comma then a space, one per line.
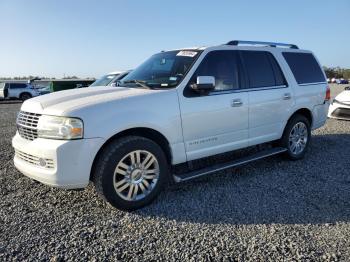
315, 190
4, 102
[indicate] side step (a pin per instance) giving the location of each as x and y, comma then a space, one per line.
237, 162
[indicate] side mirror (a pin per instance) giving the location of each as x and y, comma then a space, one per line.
204, 84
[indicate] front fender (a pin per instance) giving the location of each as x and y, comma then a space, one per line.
159, 111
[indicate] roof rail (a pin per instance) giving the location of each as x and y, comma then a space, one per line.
272, 44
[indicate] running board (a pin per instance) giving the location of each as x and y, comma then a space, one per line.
218, 167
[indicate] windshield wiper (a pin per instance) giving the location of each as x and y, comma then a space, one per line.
138, 82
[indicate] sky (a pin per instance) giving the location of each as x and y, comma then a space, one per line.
89, 38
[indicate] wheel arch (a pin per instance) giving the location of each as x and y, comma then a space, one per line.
145, 132
25, 92
301, 111
304, 112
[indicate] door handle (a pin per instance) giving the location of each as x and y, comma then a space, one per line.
287, 96
236, 102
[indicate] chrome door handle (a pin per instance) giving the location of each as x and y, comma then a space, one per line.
236, 102
287, 96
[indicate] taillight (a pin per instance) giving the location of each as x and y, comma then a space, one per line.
328, 94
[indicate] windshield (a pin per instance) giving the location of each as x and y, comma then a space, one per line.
104, 80
163, 70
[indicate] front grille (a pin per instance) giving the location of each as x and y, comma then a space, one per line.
34, 160
27, 125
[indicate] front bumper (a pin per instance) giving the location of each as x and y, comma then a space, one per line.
339, 111
58, 163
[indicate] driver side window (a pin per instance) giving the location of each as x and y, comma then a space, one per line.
223, 65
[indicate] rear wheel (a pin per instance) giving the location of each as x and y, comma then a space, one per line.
296, 137
130, 172
25, 96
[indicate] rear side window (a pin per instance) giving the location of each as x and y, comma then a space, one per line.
262, 69
17, 85
305, 68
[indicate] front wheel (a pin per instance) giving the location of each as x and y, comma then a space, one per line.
130, 172
296, 137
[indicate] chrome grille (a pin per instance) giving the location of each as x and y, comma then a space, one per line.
34, 160
27, 125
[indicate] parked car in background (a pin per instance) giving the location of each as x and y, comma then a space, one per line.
21, 91
170, 113
44, 90
106, 79
341, 81
116, 81
340, 106
110, 79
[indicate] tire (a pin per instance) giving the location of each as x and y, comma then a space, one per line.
6, 92
115, 175
297, 122
25, 96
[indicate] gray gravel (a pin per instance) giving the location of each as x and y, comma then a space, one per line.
273, 210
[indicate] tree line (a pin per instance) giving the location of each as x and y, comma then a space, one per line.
331, 72
337, 72
37, 77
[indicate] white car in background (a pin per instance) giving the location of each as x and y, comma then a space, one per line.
21, 91
340, 107
110, 79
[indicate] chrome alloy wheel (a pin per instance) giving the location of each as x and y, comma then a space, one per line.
136, 175
298, 138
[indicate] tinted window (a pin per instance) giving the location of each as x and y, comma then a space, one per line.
17, 85
304, 67
262, 69
223, 65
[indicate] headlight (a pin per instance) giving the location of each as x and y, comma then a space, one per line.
58, 127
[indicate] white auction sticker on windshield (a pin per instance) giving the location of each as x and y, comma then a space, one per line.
186, 53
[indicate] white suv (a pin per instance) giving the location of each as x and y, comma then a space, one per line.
172, 111
21, 91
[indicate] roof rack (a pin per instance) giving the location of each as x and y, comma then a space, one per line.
272, 44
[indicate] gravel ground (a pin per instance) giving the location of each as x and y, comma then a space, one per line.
273, 210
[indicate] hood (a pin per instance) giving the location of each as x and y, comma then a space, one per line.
61, 102
344, 97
